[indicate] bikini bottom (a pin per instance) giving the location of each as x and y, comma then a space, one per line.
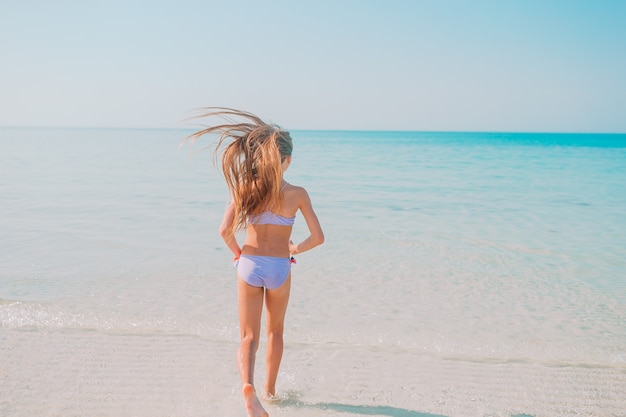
263, 271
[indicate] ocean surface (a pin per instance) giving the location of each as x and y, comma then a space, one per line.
463, 274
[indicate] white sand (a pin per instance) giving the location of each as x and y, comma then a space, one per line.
98, 374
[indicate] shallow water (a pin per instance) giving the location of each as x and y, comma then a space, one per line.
463, 274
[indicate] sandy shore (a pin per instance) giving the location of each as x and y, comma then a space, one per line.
96, 374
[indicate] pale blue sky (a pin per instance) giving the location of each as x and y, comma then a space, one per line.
398, 65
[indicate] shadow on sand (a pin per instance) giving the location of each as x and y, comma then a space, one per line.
372, 410
292, 400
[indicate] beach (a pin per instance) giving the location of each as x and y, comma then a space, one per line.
161, 375
463, 274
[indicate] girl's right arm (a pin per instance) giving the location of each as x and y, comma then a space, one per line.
316, 236
225, 231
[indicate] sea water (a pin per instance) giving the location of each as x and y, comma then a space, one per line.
463, 274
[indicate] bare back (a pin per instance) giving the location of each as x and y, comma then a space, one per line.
272, 239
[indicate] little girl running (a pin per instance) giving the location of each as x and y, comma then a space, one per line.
254, 158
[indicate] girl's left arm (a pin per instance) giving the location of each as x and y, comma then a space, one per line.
225, 231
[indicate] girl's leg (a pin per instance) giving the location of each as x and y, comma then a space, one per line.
276, 304
250, 302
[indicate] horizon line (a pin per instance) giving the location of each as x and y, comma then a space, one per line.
332, 130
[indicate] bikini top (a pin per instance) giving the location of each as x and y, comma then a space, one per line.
268, 217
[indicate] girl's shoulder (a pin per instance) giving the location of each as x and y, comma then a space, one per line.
294, 189
296, 195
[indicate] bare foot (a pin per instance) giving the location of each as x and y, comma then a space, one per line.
270, 395
253, 405
272, 398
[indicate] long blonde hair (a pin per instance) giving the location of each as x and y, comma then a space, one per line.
252, 153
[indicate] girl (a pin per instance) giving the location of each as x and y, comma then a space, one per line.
254, 158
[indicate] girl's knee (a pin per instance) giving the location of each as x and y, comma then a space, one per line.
275, 333
249, 341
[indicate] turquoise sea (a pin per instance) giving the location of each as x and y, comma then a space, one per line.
463, 274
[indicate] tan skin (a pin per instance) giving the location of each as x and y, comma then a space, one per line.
267, 240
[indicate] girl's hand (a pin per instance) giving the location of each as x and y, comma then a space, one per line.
293, 249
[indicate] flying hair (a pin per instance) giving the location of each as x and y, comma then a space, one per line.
251, 153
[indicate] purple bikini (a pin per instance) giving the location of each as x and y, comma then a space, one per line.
265, 271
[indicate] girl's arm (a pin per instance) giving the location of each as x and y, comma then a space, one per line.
316, 236
229, 239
